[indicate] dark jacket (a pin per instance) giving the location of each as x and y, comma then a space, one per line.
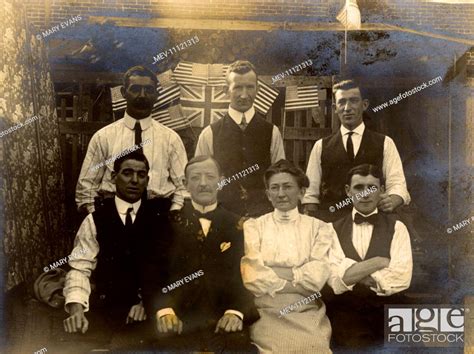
216, 285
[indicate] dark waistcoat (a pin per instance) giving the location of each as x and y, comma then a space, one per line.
117, 272
236, 150
380, 242
335, 163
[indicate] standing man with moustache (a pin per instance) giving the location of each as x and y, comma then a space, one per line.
333, 156
242, 139
162, 147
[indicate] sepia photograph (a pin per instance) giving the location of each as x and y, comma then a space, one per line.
237, 176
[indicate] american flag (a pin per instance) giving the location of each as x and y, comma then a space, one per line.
301, 97
203, 105
172, 117
349, 15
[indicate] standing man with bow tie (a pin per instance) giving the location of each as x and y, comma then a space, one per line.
162, 147
371, 263
333, 156
242, 139
212, 312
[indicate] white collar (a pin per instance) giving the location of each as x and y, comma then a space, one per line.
122, 206
359, 130
354, 211
237, 116
129, 121
286, 216
204, 208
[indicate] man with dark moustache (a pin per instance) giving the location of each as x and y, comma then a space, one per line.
241, 139
371, 263
162, 147
333, 156
201, 303
115, 239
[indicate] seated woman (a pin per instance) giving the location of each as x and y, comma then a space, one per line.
285, 265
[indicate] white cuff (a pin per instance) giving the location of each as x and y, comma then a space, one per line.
235, 312
78, 300
164, 312
381, 288
274, 291
297, 276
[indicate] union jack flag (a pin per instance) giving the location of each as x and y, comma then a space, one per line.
203, 105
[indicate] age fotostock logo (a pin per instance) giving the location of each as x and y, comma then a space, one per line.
425, 325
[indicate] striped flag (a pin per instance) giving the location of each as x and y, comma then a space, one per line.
118, 102
172, 117
266, 95
301, 97
349, 15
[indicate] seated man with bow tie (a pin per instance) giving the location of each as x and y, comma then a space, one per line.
201, 303
371, 263
116, 239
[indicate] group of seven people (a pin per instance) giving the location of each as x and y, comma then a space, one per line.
177, 262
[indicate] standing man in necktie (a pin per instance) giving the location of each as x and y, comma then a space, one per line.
201, 304
242, 139
162, 147
333, 156
111, 245
371, 263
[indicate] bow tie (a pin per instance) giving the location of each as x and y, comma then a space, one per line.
209, 215
359, 219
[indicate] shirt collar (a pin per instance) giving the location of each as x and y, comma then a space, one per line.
359, 130
286, 216
122, 206
237, 116
129, 121
204, 208
354, 211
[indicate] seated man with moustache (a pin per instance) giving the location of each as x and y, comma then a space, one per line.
199, 302
116, 239
371, 263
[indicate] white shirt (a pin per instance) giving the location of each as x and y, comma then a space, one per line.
291, 240
205, 224
393, 279
165, 153
205, 142
392, 167
122, 207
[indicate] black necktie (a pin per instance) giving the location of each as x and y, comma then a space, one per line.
350, 146
359, 219
128, 218
243, 124
138, 133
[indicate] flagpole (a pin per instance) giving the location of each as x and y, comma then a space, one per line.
284, 124
345, 39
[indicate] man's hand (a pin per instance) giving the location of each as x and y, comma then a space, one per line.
76, 321
284, 273
369, 282
310, 209
136, 313
229, 323
389, 203
169, 323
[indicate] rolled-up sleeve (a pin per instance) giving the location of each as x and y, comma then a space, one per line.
397, 276
177, 163
339, 264
314, 171
313, 274
256, 276
83, 260
393, 171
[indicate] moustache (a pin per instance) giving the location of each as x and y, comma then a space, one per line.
205, 189
142, 103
